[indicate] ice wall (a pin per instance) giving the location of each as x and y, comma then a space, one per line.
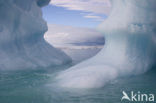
21, 36
130, 33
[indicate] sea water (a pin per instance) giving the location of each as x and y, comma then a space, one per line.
38, 86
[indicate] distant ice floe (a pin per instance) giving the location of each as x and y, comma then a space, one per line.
78, 43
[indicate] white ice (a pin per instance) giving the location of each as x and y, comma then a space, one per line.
130, 33
22, 44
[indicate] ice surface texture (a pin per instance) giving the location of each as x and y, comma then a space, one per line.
130, 33
21, 36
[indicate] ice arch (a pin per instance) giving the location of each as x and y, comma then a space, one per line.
130, 33
21, 36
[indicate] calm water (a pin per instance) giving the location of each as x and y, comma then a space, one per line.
37, 86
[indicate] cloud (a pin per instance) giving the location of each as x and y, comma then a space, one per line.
60, 35
98, 18
90, 6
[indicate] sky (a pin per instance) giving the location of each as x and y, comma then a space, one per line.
59, 36
77, 13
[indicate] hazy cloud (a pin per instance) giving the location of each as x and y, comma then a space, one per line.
60, 35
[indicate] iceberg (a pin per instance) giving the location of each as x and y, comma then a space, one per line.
22, 43
130, 47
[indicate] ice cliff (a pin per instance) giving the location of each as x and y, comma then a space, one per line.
21, 36
130, 34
